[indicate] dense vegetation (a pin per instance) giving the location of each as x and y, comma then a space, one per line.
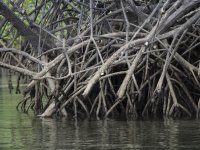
104, 58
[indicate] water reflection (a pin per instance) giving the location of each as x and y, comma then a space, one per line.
22, 131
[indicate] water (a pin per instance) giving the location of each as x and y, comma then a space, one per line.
26, 132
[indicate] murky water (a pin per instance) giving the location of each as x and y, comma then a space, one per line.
26, 132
